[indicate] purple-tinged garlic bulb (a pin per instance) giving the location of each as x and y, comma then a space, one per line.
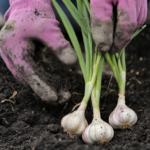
122, 117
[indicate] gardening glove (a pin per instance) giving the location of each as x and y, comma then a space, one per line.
131, 15
28, 21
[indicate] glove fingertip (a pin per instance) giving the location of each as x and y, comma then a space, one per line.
103, 47
64, 96
49, 97
67, 55
103, 36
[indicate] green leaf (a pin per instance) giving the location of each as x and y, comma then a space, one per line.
71, 34
86, 45
85, 16
132, 37
74, 12
87, 5
137, 32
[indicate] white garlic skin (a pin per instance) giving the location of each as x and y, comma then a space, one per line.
75, 123
98, 132
122, 117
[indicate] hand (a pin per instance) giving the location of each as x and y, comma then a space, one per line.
28, 21
131, 15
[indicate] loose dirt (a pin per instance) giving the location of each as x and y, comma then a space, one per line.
27, 123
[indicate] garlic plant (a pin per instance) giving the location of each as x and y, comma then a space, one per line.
122, 117
98, 131
75, 122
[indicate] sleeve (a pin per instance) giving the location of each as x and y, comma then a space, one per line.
4, 5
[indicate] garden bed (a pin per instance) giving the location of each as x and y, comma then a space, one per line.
27, 123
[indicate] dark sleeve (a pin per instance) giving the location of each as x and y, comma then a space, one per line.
4, 5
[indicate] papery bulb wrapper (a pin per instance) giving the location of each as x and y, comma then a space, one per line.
122, 117
75, 123
98, 132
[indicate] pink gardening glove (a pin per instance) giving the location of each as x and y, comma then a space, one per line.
131, 15
28, 20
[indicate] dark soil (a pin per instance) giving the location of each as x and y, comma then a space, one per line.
30, 124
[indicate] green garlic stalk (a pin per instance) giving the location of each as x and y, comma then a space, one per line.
122, 117
98, 131
89, 68
75, 122
127, 117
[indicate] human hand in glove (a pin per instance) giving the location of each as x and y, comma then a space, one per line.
131, 15
26, 21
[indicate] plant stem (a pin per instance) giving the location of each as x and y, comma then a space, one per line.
71, 34
89, 85
123, 82
96, 68
95, 56
120, 65
87, 56
76, 15
88, 90
108, 59
116, 69
123, 60
118, 73
85, 18
91, 53
95, 97
86, 38
123, 72
87, 5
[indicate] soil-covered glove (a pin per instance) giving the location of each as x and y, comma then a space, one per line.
131, 15
28, 21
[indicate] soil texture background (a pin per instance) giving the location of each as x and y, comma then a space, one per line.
27, 123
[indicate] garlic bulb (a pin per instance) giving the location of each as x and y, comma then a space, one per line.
98, 131
122, 117
75, 123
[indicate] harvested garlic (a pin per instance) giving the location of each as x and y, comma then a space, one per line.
122, 117
75, 123
98, 131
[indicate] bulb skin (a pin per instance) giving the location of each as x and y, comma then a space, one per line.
122, 117
98, 132
75, 123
